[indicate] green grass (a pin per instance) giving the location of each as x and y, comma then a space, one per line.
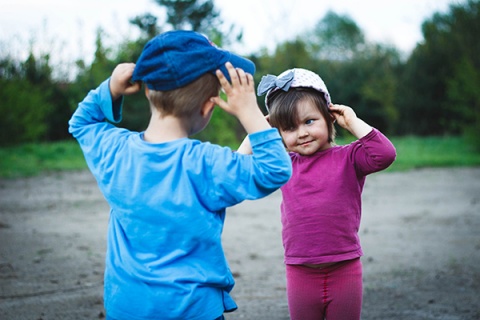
32, 159
412, 152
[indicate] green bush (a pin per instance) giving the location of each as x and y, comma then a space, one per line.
23, 112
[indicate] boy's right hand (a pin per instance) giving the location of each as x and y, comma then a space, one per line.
240, 92
120, 83
241, 100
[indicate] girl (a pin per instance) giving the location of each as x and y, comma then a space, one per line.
321, 206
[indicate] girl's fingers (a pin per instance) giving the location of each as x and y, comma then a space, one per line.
337, 108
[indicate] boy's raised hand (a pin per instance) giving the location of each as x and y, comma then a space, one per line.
241, 100
240, 92
120, 83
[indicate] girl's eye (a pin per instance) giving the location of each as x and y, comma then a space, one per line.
309, 121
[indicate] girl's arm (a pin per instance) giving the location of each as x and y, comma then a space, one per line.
245, 147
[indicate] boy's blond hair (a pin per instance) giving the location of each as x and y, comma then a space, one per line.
184, 102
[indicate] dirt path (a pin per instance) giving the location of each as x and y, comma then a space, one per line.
420, 234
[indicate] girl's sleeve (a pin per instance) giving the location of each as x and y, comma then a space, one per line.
373, 153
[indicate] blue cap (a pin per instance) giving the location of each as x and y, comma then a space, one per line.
176, 58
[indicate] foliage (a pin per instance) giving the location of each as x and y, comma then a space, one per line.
32, 108
465, 98
437, 95
433, 92
147, 23
24, 112
336, 37
190, 14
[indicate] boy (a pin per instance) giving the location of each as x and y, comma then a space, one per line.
168, 193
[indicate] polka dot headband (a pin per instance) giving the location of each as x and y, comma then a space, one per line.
292, 78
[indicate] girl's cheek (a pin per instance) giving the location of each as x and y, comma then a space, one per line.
287, 140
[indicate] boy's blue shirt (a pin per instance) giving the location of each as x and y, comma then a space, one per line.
164, 254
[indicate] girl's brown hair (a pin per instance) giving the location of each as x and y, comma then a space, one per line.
283, 108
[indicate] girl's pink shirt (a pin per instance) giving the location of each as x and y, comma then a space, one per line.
321, 207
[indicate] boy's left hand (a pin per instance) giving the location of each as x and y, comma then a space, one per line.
120, 83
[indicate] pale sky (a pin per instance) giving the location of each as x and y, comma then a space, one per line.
67, 28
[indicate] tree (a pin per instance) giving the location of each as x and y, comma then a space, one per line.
147, 23
26, 99
336, 37
190, 14
436, 77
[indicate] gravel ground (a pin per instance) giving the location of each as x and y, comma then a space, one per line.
420, 235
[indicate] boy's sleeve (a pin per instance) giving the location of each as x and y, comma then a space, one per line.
96, 107
89, 126
241, 177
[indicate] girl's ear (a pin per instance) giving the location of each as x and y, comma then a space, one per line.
207, 107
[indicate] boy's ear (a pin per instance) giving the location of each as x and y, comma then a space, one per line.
146, 91
207, 107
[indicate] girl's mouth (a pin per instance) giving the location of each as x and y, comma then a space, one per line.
305, 143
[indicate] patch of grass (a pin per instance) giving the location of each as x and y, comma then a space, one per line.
412, 152
448, 151
33, 158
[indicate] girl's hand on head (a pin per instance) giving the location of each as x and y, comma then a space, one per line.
120, 81
344, 115
348, 120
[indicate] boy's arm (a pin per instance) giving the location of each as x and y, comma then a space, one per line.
88, 124
103, 102
242, 103
269, 166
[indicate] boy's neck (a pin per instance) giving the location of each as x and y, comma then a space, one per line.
165, 129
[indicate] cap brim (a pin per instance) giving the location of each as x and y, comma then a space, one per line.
237, 62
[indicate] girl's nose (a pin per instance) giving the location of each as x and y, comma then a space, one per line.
302, 132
